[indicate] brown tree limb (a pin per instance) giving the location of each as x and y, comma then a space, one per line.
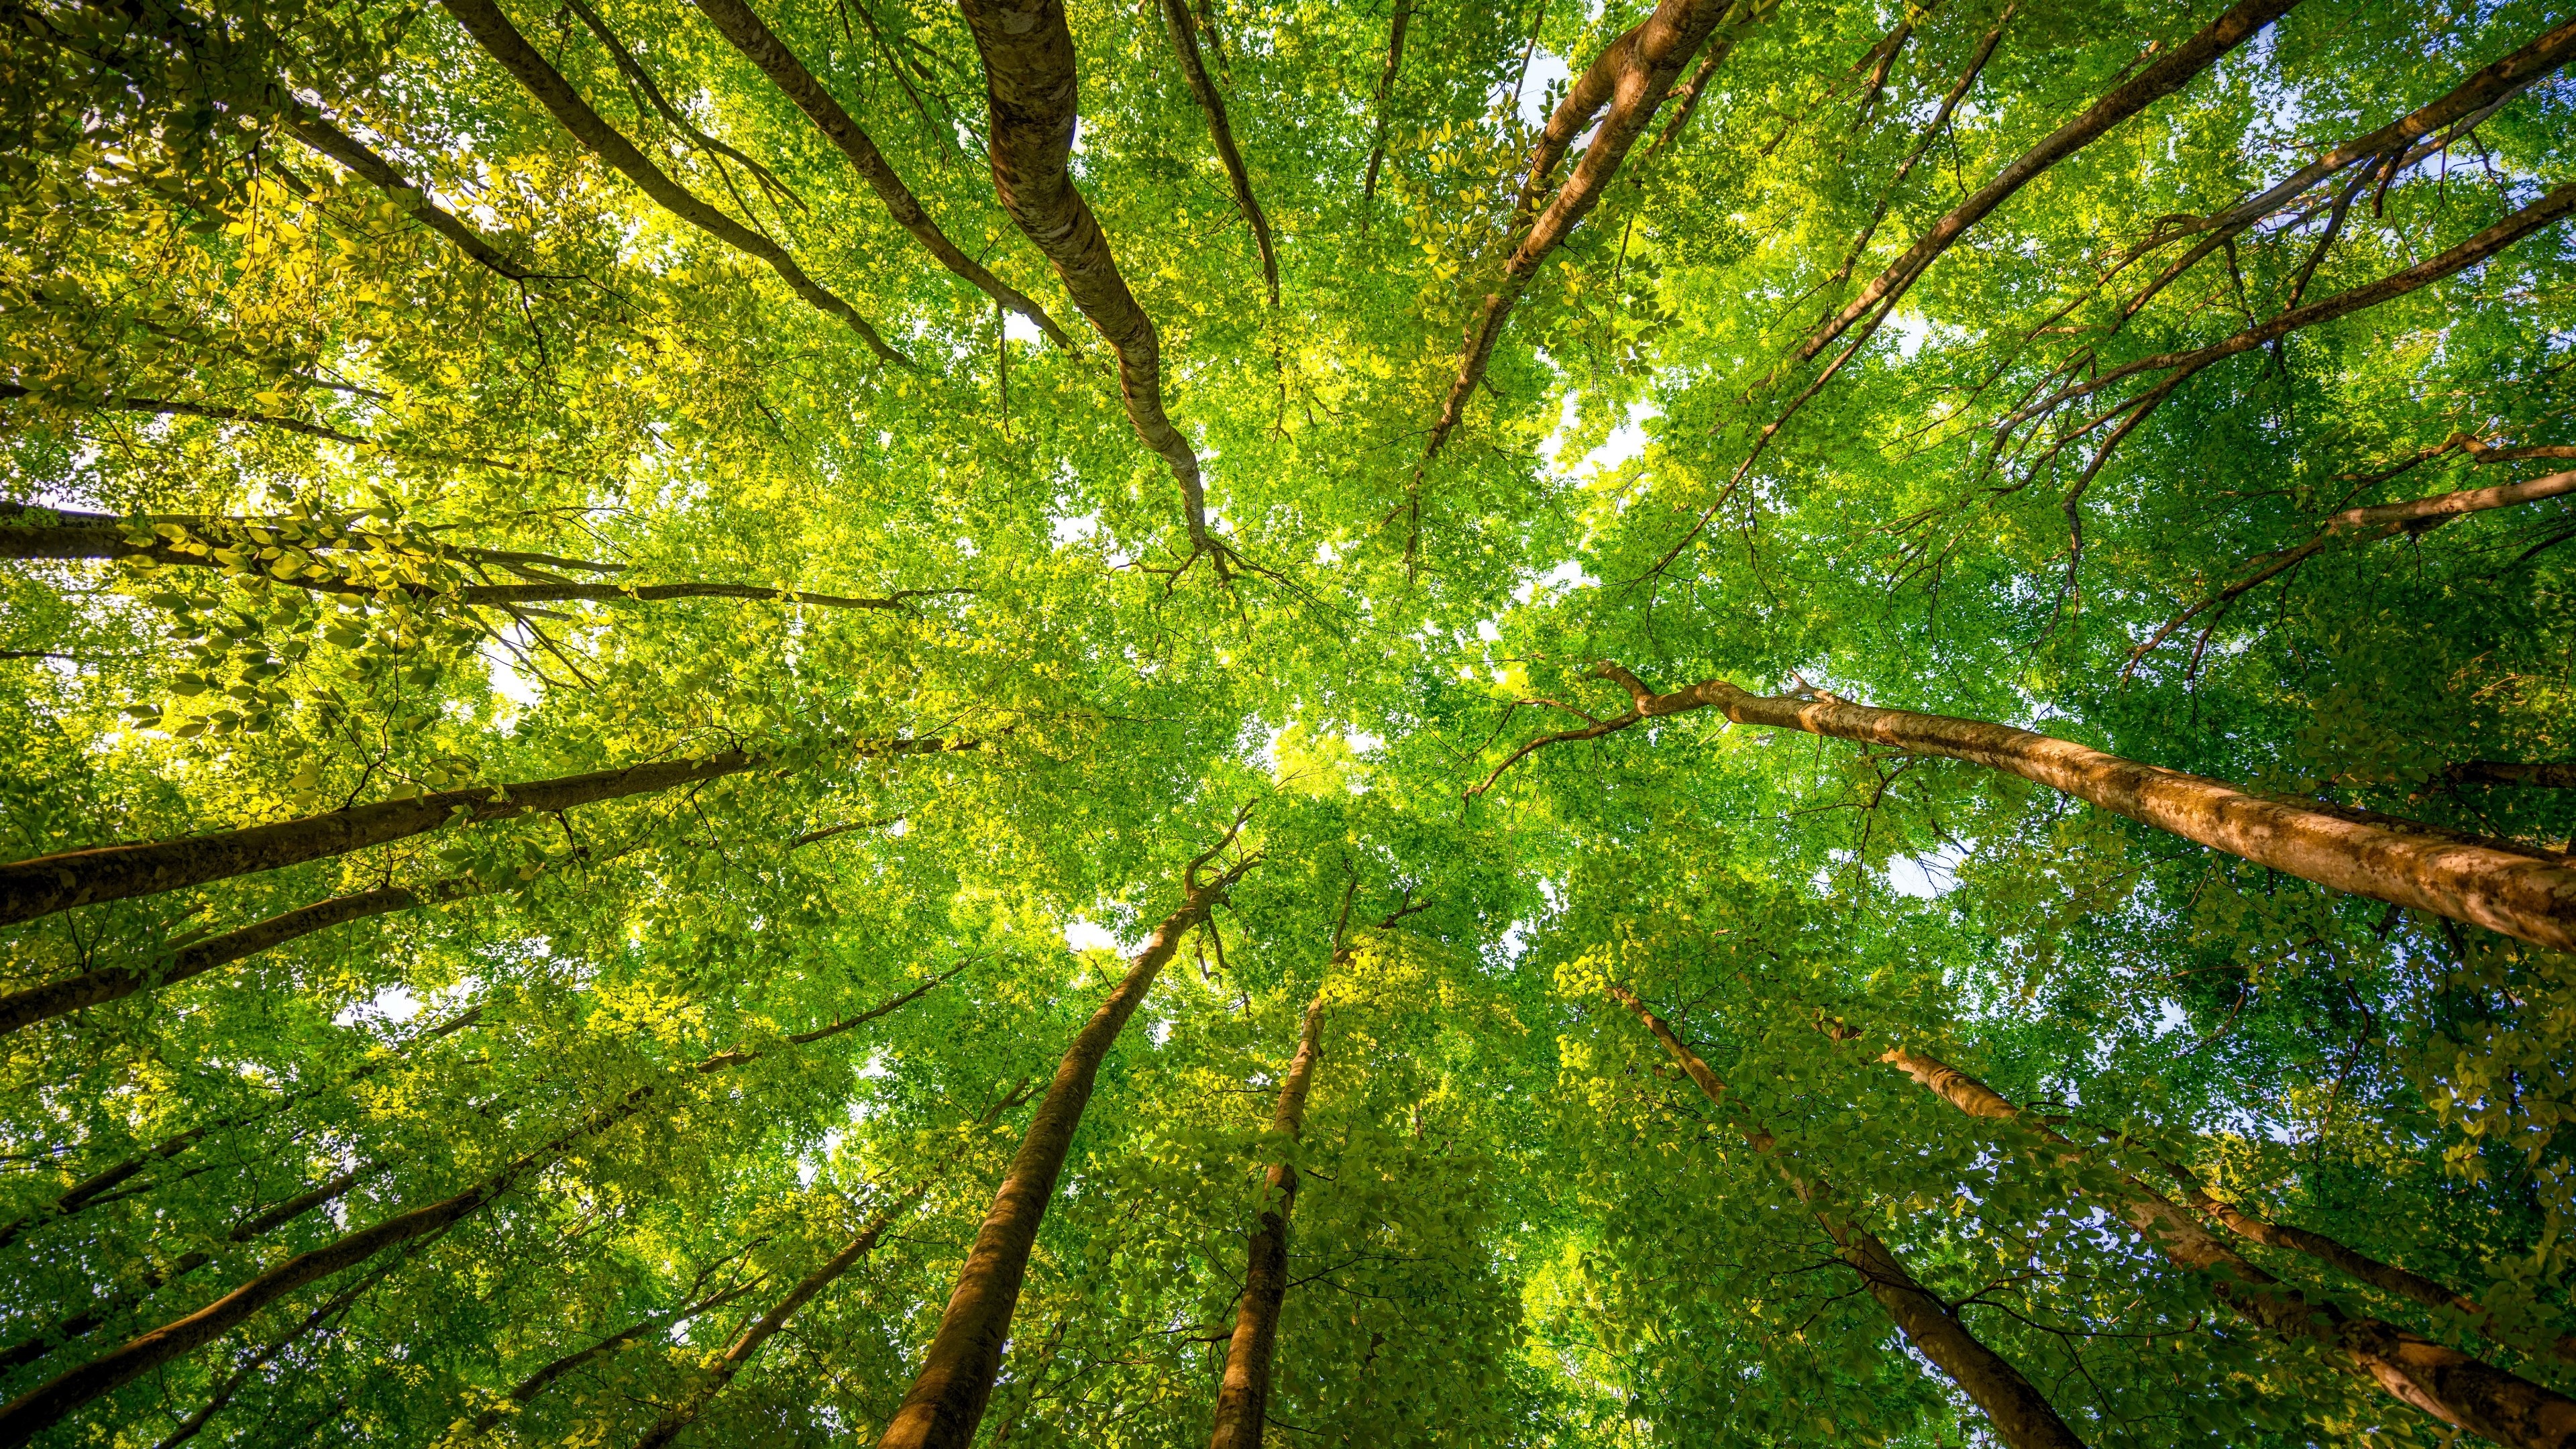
104, 984
46, 884
2515, 889
44, 1405
308, 126
1185, 44
2552, 775
946, 1401
2019, 1414
215, 412
1031, 99
1386, 97
2167, 74
2365, 525
492, 30
544, 1378
195, 1423
750, 35
2443, 1382
1630, 77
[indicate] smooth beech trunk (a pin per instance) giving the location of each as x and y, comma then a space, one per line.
2451, 1386
2519, 890
2351, 1262
1031, 98
111, 983
947, 1398
1631, 76
2167, 74
2016, 1410
50, 883
502, 41
1243, 1398
762, 47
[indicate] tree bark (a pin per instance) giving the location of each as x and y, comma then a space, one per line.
2546, 211
947, 1399
2019, 1414
42, 1406
2451, 1386
1030, 94
1185, 44
759, 44
1386, 97
2552, 775
111, 983
501, 40
2167, 74
1630, 76
2518, 890
50, 883
1243, 1398
308, 126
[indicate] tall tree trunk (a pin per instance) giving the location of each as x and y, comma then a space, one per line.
2442, 1381
2019, 1414
946, 1401
2518, 890
501, 40
112, 983
1386, 96
195, 1424
1630, 76
1185, 44
44, 1405
2167, 74
763, 48
2351, 1262
87, 1320
50, 883
1031, 97
1243, 1399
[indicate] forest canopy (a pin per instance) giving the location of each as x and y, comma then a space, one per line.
1263, 723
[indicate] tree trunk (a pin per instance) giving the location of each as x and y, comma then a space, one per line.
111, 983
308, 126
2518, 890
1243, 1400
1030, 92
87, 1320
2352, 1263
50, 883
2451, 1386
2167, 74
1630, 76
1185, 44
763, 48
501, 40
946, 1401
1386, 96
195, 1423
92, 536
2020, 1416
42, 1406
